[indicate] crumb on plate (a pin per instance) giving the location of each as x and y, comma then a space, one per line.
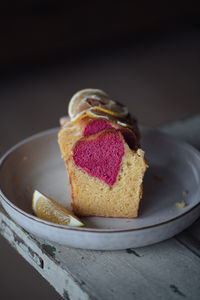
181, 204
185, 193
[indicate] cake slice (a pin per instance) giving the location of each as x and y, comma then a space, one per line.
104, 160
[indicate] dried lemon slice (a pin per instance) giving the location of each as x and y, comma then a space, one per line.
87, 99
113, 113
48, 209
94, 113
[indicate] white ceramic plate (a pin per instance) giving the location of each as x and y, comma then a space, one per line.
173, 176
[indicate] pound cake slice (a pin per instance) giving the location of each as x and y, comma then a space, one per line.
104, 160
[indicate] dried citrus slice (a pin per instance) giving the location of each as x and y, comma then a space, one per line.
124, 124
94, 113
86, 99
97, 114
110, 112
48, 209
78, 105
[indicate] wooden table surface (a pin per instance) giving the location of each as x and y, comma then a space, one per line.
167, 270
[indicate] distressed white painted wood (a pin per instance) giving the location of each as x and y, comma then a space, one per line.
41, 255
168, 270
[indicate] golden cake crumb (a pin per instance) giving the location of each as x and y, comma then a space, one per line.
181, 204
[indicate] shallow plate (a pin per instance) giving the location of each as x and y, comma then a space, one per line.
173, 176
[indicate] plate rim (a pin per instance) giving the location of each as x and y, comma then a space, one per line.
86, 229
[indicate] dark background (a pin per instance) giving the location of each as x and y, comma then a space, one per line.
37, 33
143, 53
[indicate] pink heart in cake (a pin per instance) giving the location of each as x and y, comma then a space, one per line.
96, 126
101, 156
